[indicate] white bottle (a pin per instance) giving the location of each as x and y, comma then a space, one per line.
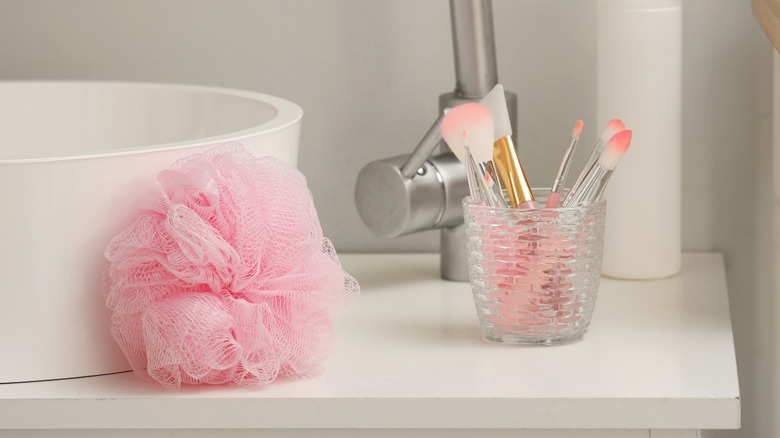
639, 71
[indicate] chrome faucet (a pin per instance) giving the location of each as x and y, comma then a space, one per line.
424, 190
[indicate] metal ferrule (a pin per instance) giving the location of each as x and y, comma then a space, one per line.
592, 159
511, 172
592, 187
563, 170
493, 191
472, 177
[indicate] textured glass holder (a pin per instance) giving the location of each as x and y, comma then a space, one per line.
535, 273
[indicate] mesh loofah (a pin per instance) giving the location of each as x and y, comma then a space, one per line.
224, 276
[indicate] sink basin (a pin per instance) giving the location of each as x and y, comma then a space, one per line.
74, 161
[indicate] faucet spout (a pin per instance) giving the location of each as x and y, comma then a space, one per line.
474, 46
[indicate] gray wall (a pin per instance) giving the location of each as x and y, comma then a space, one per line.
368, 74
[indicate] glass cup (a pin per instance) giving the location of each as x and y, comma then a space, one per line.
534, 273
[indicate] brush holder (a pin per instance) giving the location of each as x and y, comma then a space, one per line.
534, 273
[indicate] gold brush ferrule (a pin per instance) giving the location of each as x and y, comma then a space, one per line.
511, 172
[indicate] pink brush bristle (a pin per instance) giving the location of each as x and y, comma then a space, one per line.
615, 149
577, 130
472, 122
613, 127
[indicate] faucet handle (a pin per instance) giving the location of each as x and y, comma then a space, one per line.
392, 205
423, 150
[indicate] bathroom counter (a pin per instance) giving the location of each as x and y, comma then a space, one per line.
659, 357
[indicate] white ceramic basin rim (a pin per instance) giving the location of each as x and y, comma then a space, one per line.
45, 121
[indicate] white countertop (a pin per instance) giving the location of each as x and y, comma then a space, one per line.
659, 355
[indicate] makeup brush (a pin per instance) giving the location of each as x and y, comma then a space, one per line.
596, 180
504, 155
613, 127
472, 123
554, 199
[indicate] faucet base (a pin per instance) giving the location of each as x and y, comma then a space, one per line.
454, 266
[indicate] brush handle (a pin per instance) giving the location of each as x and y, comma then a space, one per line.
591, 188
554, 200
563, 170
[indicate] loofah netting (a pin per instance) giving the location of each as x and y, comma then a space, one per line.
224, 276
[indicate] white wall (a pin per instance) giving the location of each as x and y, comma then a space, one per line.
368, 74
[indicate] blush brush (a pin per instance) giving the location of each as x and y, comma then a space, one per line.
505, 160
596, 180
612, 128
554, 200
472, 124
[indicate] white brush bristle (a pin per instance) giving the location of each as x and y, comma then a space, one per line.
615, 149
613, 127
496, 102
476, 121
453, 137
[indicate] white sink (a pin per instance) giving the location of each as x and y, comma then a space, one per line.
75, 158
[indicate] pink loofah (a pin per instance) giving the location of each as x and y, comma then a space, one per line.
224, 275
